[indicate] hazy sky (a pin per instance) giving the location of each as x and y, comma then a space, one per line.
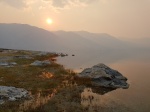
121, 18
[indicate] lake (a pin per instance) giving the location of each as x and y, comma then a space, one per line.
135, 66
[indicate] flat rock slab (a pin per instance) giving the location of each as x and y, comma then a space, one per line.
8, 64
40, 63
12, 93
104, 76
23, 57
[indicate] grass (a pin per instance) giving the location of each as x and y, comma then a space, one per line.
44, 81
23, 75
63, 102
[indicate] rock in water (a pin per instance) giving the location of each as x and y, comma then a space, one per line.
104, 76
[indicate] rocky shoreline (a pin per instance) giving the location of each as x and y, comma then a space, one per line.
12, 62
33, 74
102, 75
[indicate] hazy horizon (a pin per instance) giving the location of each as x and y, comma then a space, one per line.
122, 19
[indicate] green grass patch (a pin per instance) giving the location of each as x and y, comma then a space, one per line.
23, 75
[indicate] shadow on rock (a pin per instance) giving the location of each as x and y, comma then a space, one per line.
103, 76
101, 90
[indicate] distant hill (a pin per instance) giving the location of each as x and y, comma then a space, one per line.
103, 39
144, 42
22, 36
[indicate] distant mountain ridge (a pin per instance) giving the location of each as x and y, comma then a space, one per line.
23, 36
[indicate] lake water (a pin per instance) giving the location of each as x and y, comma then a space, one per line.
136, 67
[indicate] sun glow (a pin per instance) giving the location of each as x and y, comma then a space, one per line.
49, 21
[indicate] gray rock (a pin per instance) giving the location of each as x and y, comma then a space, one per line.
12, 99
44, 53
62, 54
5, 51
23, 57
12, 63
41, 63
8, 64
102, 75
3, 64
12, 93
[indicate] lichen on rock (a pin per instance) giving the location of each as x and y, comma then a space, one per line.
12, 93
102, 75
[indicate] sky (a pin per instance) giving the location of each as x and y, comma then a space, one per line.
127, 19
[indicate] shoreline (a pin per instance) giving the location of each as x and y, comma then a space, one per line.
18, 68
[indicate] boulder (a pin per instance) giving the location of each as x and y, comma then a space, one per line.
62, 54
41, 63
104, 76
45, 53
12, 93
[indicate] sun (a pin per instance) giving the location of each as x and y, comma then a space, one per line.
49, 21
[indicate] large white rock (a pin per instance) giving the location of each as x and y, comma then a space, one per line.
12, 93
102, 75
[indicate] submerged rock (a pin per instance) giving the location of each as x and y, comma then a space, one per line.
104, 76
41, 63
12, 93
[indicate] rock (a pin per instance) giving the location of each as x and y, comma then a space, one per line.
62, 54
12, 93
3, 64
8, 64
41, 63
5, 51
12, 99
45, 53
12, 63
104, 76
23, 57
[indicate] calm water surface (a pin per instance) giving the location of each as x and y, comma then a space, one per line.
136, 68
